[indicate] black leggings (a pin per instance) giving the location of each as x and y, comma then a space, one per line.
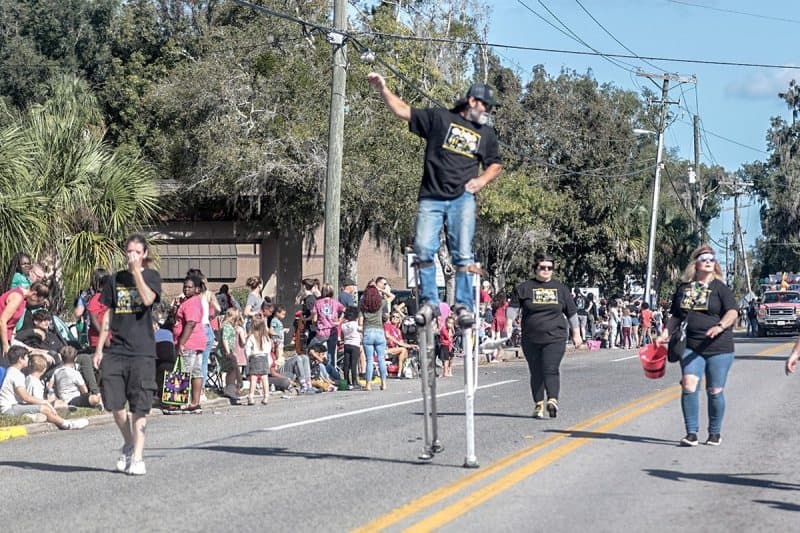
544, 361
352, 354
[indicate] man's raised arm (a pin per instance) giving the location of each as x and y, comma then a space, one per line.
400, 109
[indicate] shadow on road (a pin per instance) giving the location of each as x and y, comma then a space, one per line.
493, 415
727, 479
760, 358
284, 452
739, 340
47, 467
782, 506
612, 436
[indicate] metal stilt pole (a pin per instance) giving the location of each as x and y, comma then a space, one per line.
431, 444
470, 336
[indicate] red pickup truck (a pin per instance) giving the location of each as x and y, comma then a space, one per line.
779, 312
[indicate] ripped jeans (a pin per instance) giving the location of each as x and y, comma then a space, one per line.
715, 369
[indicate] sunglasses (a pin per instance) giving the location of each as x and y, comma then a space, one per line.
545, 267
706, 258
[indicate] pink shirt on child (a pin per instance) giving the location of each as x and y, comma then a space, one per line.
191, 310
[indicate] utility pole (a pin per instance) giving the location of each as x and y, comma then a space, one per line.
727, 264
737, 188
333, 178
695, 184
662, 124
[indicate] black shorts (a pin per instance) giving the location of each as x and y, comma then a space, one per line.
444, 353
128, 379
80, 401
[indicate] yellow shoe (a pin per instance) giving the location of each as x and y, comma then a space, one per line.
538, 410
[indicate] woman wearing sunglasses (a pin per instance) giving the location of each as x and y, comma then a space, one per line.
544, 303
710, 310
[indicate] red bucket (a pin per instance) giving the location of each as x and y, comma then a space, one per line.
654, 360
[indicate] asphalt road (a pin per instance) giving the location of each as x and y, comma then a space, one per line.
348, 460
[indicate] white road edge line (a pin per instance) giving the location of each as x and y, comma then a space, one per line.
378, 408
624, 358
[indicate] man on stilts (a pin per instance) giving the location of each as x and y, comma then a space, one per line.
461, 158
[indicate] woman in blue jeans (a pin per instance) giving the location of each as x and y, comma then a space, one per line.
374, 337
709, 309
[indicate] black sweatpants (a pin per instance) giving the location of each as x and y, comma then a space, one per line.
544, 361
351, 356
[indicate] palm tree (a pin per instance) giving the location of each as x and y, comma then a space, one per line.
79, 197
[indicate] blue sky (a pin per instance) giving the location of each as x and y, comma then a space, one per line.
732, 101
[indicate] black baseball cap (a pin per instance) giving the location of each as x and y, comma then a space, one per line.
482, 92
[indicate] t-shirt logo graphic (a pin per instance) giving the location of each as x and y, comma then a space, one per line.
462, 140
128, 301
545, 296
695, 297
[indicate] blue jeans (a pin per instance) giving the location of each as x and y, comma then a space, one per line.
210, 338
715, 368
459, 215
375, 342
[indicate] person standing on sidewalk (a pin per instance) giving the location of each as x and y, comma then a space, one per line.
709, 308
129, 365
190, 337
544, 303
459, 143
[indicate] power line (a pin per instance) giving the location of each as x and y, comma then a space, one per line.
571, 34
576, 52
567, 171
756, 15
612, 35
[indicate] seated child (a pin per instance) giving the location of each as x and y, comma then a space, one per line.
15, 400
35, 386
320, 368
69, 384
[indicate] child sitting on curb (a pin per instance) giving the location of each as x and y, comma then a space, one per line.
15, 400
69, 384
34, 384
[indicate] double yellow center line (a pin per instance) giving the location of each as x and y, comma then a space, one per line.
608, 420
623, 414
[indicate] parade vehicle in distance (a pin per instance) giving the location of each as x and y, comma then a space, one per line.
779, 312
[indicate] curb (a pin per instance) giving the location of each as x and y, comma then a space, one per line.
12, 432
37, 428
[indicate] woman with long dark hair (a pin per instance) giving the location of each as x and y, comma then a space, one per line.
545, 302
374, 336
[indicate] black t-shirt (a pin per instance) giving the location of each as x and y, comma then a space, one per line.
543, 306
704, 305
131, 321
31, 339
456, 148
308, 306
580, 304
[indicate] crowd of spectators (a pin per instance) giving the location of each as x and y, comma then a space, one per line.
338, 342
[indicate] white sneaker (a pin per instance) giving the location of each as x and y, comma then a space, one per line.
136, 468
124, 461
78, 423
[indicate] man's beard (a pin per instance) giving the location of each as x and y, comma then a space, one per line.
477, 116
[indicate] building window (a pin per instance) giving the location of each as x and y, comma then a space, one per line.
217, 261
